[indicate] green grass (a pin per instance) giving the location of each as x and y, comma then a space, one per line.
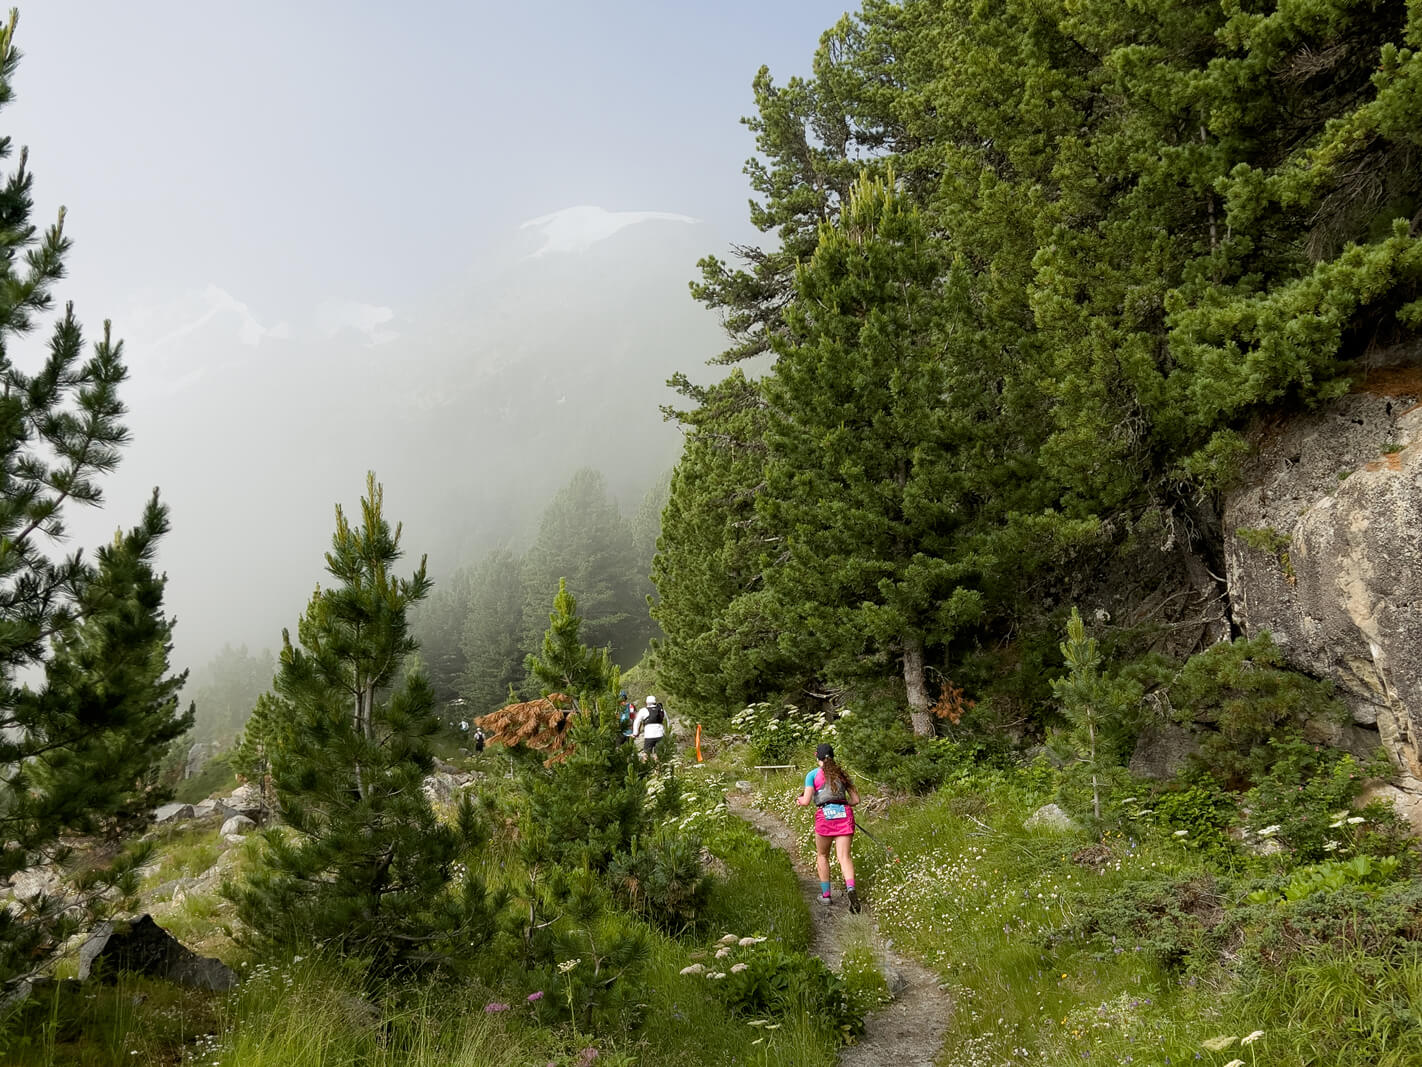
760, 894
983, 901
135, 1021
309, 1015
215, 776
184, 852
966, 890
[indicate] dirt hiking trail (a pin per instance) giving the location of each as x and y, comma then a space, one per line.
906, 1032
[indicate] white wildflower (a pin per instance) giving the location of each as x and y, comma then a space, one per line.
695, 968
1251, 1038
1218, 1044
722, 953
1270, 831
737, 968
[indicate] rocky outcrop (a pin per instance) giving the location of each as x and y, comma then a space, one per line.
144, 947
1323, 550
173, 813
237, 826
198, 754
1050, 817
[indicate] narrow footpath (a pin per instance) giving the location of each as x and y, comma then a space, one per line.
908, 1031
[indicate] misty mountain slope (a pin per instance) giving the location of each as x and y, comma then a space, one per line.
472, 409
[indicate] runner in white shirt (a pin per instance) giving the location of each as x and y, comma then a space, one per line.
651, 725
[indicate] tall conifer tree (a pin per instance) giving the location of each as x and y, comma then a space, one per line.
862, 476
87, 727
365, 866
493, 632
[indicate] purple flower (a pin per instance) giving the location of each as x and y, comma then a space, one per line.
495, 1007
536, 996
586, 1056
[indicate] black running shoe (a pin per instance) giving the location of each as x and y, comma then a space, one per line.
853, 900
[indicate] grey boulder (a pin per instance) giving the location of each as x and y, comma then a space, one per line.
144, 947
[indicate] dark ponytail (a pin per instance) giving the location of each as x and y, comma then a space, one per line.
834, 775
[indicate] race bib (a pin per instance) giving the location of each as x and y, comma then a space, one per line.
833, 811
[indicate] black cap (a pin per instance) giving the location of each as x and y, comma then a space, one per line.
824, 750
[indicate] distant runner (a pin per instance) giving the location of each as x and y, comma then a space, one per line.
651, 723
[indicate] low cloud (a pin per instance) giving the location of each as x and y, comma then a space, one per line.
577, 229
335, 316
159, 326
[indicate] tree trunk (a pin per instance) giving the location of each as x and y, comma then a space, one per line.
917, 687
1211, 595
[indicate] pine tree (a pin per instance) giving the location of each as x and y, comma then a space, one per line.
107, 683
1096, 705
438, 624
226, 690
583, 537
493, 632
719, 647
864, 476
82, 735
365, 868
566, 665
586, 808
267, 732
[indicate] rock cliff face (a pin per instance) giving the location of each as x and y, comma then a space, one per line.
1323, 549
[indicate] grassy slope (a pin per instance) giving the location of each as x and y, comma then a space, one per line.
300, 1013
971, 893
981, 899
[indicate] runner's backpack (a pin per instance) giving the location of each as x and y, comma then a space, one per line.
655, 715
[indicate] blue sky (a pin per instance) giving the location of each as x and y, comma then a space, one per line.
293, 152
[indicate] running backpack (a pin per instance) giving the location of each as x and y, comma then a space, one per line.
831, 793
655, 715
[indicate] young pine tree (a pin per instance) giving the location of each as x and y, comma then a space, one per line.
365, 868
88, 726
267, 730
586, 808
1096, 705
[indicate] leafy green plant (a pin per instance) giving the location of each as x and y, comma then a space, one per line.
864, 984
1198, 816
1308, 790
775, 732
1331, 875
762, 979
1242, 689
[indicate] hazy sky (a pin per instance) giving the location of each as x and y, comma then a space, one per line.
294, 153
305, 216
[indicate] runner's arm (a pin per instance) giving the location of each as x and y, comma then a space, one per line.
809, 794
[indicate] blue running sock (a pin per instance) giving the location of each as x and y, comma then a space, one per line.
824, 889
